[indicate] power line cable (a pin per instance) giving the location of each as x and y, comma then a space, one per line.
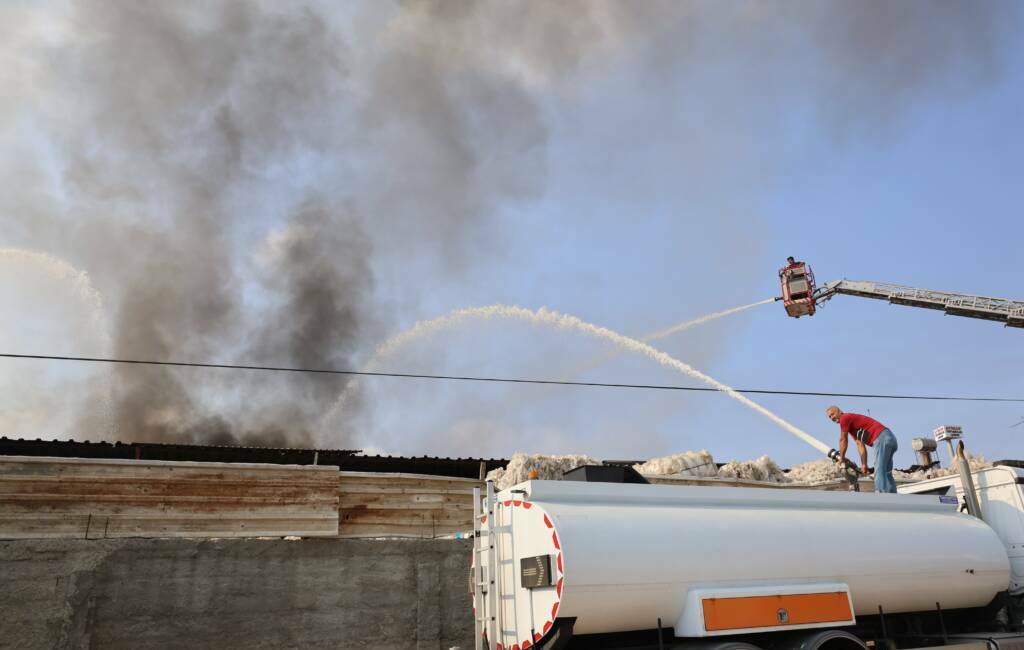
504, 380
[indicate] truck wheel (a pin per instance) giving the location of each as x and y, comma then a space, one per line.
825, 640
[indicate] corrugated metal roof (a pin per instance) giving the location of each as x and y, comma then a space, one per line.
162, 451
461, 467
346, 459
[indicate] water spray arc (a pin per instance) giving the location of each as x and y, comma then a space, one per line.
668, 331
78, 280
82, 286
572, 323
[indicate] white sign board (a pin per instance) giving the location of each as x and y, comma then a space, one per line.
948, 432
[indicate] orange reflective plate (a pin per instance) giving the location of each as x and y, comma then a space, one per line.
775, 611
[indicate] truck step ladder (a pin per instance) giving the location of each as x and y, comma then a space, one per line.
480, 588
490, 594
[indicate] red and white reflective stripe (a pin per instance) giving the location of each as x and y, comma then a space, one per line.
537, 636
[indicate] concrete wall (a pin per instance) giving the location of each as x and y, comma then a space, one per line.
235, 593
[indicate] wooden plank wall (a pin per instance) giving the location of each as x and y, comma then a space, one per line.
404, 505
94, 498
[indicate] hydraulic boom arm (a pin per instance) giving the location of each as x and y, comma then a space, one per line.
1009, 312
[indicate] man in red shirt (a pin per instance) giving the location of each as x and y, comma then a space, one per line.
872, 433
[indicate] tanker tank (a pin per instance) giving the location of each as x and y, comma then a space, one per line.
710, 561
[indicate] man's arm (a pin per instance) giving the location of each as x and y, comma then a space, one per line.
863, 457
842, 448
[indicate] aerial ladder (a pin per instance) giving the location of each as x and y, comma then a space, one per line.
801, 297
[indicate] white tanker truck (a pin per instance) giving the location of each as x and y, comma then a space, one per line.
585, 564
596, 564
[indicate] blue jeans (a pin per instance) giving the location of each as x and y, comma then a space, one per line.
885, 447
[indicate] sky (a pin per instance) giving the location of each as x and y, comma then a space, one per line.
239, 183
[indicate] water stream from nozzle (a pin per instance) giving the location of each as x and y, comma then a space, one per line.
568, 322
664, 333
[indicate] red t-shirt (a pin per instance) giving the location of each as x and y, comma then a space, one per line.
860, 427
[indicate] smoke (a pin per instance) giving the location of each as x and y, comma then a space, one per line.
183, 115
220, 178
249, 181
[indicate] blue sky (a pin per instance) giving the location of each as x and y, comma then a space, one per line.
658, 168
924, 195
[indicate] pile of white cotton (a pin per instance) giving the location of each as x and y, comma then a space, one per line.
700, 464
547, 468
689, 463
815, 471
975, 463
762, 469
